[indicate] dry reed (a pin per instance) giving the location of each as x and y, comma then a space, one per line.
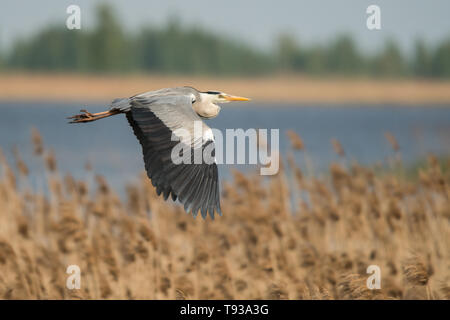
264, 247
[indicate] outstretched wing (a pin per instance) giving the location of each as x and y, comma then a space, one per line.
154, 119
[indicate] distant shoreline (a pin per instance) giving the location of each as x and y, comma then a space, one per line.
282, 89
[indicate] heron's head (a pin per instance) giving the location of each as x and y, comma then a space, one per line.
221, 97
208, 106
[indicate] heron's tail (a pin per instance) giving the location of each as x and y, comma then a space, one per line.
86, 116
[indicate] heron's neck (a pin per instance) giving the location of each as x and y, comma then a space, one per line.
206, 108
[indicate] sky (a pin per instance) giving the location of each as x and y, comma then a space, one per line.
257, 22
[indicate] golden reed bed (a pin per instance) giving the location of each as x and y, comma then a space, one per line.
273, 89
262, 248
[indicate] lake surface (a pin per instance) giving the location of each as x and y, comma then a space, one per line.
113, 151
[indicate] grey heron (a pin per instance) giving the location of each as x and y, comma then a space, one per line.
154, 116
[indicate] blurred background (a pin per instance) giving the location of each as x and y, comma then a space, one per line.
364, 124
325, 38
311, 67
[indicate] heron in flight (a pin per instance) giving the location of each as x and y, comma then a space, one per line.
154, 117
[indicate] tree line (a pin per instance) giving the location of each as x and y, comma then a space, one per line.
178, 50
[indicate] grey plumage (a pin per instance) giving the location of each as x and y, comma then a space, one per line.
154, 116
181, 180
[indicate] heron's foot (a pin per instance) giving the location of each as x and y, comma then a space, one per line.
86, 116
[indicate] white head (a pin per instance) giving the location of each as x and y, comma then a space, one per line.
206, 103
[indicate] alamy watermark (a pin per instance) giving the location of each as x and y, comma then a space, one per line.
373, 21
74, 279
374, 281
73, 21
196, 149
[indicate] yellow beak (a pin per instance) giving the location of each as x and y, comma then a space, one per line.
234, 98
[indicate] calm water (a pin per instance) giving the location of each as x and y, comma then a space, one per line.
112, 149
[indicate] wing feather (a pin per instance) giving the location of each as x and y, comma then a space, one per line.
153, 119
